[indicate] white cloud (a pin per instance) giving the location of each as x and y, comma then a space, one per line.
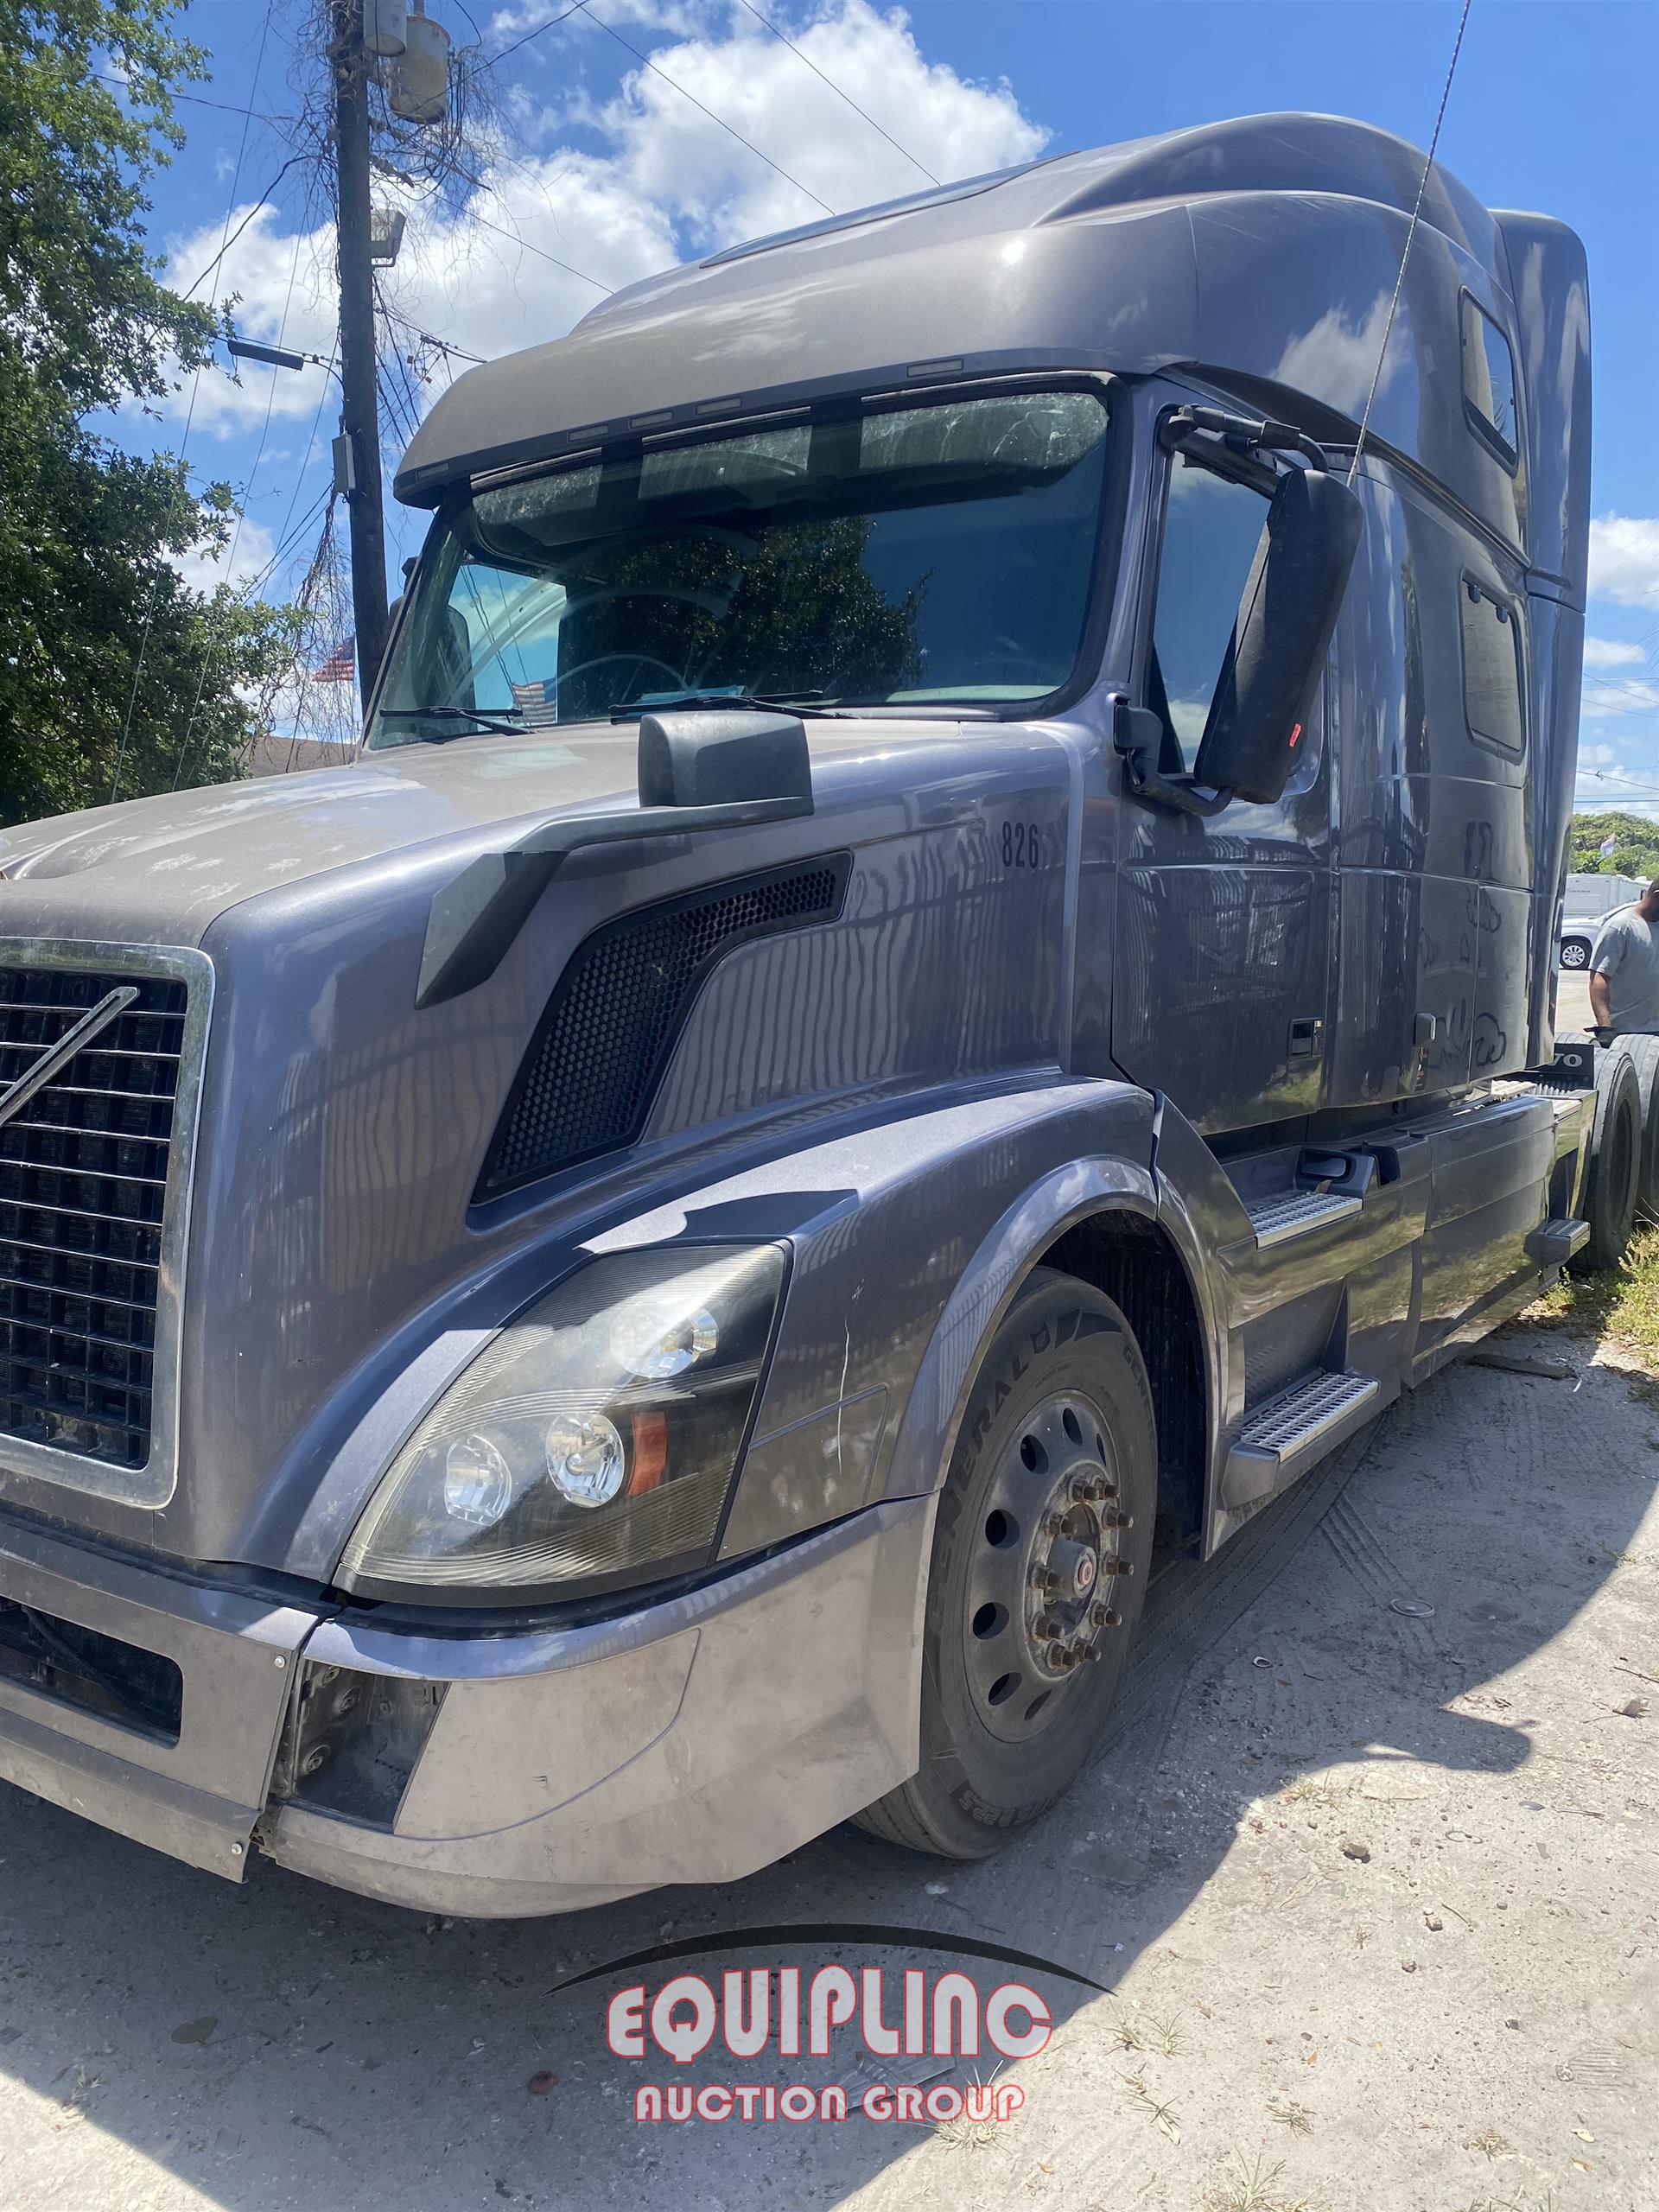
671, 154
1611, 652
205, 568
1624, 559
673, 183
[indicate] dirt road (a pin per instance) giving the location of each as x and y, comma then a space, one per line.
1371, 1874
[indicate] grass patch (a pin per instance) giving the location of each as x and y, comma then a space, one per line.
1620, 1306
1254, 2187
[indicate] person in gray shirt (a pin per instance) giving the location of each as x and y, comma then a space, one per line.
1624, 968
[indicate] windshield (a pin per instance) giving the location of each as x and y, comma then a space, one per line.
922, 555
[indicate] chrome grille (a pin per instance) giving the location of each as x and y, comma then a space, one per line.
91, 1196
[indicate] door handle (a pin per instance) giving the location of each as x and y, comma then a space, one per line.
1306, 1036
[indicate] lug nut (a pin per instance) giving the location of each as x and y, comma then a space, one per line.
1089, 1651
1117, 1520
1046, 1629
1054, 1526
1105, 1617
1082, 1489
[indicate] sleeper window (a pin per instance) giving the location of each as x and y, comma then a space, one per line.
1489, 382
1491, 672
1212, 529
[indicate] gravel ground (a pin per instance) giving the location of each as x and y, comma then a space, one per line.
1369, 1873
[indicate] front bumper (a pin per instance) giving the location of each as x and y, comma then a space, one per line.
695, 1740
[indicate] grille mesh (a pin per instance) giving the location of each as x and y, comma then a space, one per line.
592, 1069
83, 1184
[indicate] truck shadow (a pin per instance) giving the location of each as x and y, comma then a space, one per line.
282, 2042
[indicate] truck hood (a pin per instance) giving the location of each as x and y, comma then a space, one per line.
162, 870
335, 1237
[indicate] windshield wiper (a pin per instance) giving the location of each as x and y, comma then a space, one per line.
743, 702
467, 715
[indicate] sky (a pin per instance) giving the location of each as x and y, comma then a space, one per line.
612, 143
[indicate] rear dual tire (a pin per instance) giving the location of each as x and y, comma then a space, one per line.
1614, 1179
1041, 1549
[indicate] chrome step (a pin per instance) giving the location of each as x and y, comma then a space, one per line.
1293, 1213
1274, 1442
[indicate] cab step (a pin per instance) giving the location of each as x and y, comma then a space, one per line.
1554, 1242
1298, 1427
1294, 1213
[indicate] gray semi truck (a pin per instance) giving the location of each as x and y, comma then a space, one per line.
934, 976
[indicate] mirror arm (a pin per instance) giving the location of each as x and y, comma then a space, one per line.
1249, 432
1136, 734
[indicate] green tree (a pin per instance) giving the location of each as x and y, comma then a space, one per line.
1636, 850
96, 625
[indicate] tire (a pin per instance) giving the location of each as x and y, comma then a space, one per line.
1615, 1161
1575, 953
1009, 1717
1643, 1051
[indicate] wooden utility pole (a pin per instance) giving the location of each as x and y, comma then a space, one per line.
359, 373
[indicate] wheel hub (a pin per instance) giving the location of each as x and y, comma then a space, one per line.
1041, 1594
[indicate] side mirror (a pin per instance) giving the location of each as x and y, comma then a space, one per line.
1284, 620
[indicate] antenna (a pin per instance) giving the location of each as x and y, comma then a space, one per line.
1405, 251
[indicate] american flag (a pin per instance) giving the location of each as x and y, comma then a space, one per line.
538, 702
340, 665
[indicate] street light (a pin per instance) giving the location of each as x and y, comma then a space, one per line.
276, 356
248, 349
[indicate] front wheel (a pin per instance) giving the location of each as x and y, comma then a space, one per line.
1575, 953
1040, 1555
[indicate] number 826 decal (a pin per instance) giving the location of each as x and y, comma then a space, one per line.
1023, 845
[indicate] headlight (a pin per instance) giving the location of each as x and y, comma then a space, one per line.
592, 1442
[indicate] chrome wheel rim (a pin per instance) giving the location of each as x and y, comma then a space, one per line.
1042, 1582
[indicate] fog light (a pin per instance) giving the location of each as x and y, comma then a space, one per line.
477, 1482
584, 1458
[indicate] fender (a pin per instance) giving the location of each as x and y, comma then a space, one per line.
909, 1236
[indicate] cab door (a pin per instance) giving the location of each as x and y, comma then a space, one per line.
1221, 983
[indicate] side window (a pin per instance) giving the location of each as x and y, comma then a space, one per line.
1489, 382
1491, 672
1212, 526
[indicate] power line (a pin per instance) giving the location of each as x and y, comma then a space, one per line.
224, 107
299, 480
840, 94
190, 417
492, 60
1405, 253
292, 161
731, 132
242, 510
513, 239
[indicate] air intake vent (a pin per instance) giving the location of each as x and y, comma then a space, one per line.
83, 1191
593, 1066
